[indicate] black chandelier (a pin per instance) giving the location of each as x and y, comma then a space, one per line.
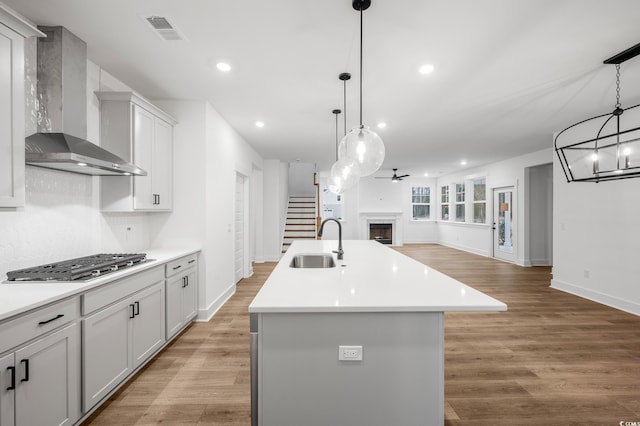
604, 147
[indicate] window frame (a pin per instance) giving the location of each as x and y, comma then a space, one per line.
460, 203
444, 202
479, 202
427, 204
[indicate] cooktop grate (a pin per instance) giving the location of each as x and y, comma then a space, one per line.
81, 268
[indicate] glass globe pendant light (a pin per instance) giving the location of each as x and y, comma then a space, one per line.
361, 144
344, 172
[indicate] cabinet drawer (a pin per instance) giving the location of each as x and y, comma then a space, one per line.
116, 290
179, 265
37, 323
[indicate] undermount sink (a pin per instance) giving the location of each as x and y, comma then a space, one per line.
312, 260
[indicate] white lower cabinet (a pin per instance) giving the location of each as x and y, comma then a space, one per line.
182, 294
119, 338
40, 382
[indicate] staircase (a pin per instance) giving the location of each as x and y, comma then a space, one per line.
301, 220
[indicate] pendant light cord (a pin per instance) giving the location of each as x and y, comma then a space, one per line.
336, 113
345, 105
361, 14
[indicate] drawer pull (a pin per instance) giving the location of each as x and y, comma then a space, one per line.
13, 378
136, 308
132, 312
52, 319
26, 370
177, 267
192, 260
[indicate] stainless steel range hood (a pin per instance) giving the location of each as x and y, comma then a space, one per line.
66, 152
62, 114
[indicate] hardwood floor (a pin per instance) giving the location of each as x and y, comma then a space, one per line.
551, 359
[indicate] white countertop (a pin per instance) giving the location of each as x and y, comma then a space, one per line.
23, 296
370, 278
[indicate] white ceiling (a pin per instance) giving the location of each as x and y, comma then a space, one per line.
508, 72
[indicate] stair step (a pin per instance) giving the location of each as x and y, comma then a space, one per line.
301, 220
293, 236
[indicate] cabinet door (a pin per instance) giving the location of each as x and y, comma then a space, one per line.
174, 304
106, 344
48, 380
143, 127
190, 297
162, 167
148, 324
11, 118
7, 396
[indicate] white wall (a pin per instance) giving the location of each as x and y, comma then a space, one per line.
596, 240
478, 238
383, 195
380, 195
301, 179
276, 197
207, 155
540, 215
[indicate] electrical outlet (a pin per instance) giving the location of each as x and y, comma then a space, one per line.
349, 353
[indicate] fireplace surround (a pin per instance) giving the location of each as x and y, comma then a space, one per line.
382, 218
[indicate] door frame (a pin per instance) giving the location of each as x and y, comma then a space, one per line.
512, 257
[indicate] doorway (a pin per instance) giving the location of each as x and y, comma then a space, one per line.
239, 229
504, 226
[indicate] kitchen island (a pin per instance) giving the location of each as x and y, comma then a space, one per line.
361, 343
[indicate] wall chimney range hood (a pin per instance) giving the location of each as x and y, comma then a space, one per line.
62, 114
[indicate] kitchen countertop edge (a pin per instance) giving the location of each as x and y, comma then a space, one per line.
17, 298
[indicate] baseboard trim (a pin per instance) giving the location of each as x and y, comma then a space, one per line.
205, 315
464, 248
604, 299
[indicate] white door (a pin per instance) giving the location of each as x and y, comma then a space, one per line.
162, 157
144, 198
106, 345
239, 228
147, 324
8, 382
504, 227
48, 390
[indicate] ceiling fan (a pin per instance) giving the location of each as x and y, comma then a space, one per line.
394, 178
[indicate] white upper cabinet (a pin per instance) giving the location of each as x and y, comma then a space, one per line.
13, 30
137, 131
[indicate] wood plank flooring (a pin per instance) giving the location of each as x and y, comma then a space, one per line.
551, 359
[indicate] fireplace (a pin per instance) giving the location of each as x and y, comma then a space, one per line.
391, 220
381, 232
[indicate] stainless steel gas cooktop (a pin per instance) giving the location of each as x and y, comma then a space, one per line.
79, 269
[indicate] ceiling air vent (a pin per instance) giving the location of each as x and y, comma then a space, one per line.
163, 28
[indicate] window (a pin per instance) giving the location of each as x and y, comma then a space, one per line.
459, 202
444, 203
479, 201
421, 202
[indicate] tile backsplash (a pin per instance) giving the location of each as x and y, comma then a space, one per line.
61, 218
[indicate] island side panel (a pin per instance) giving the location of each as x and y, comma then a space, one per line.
400, 379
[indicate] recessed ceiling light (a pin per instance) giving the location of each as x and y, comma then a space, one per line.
426, 69
223, 66
463, 163
426, 174
382, 125
259, 124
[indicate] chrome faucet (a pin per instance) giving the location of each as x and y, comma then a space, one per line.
339, 251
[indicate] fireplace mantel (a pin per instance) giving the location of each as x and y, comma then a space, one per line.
394, 218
